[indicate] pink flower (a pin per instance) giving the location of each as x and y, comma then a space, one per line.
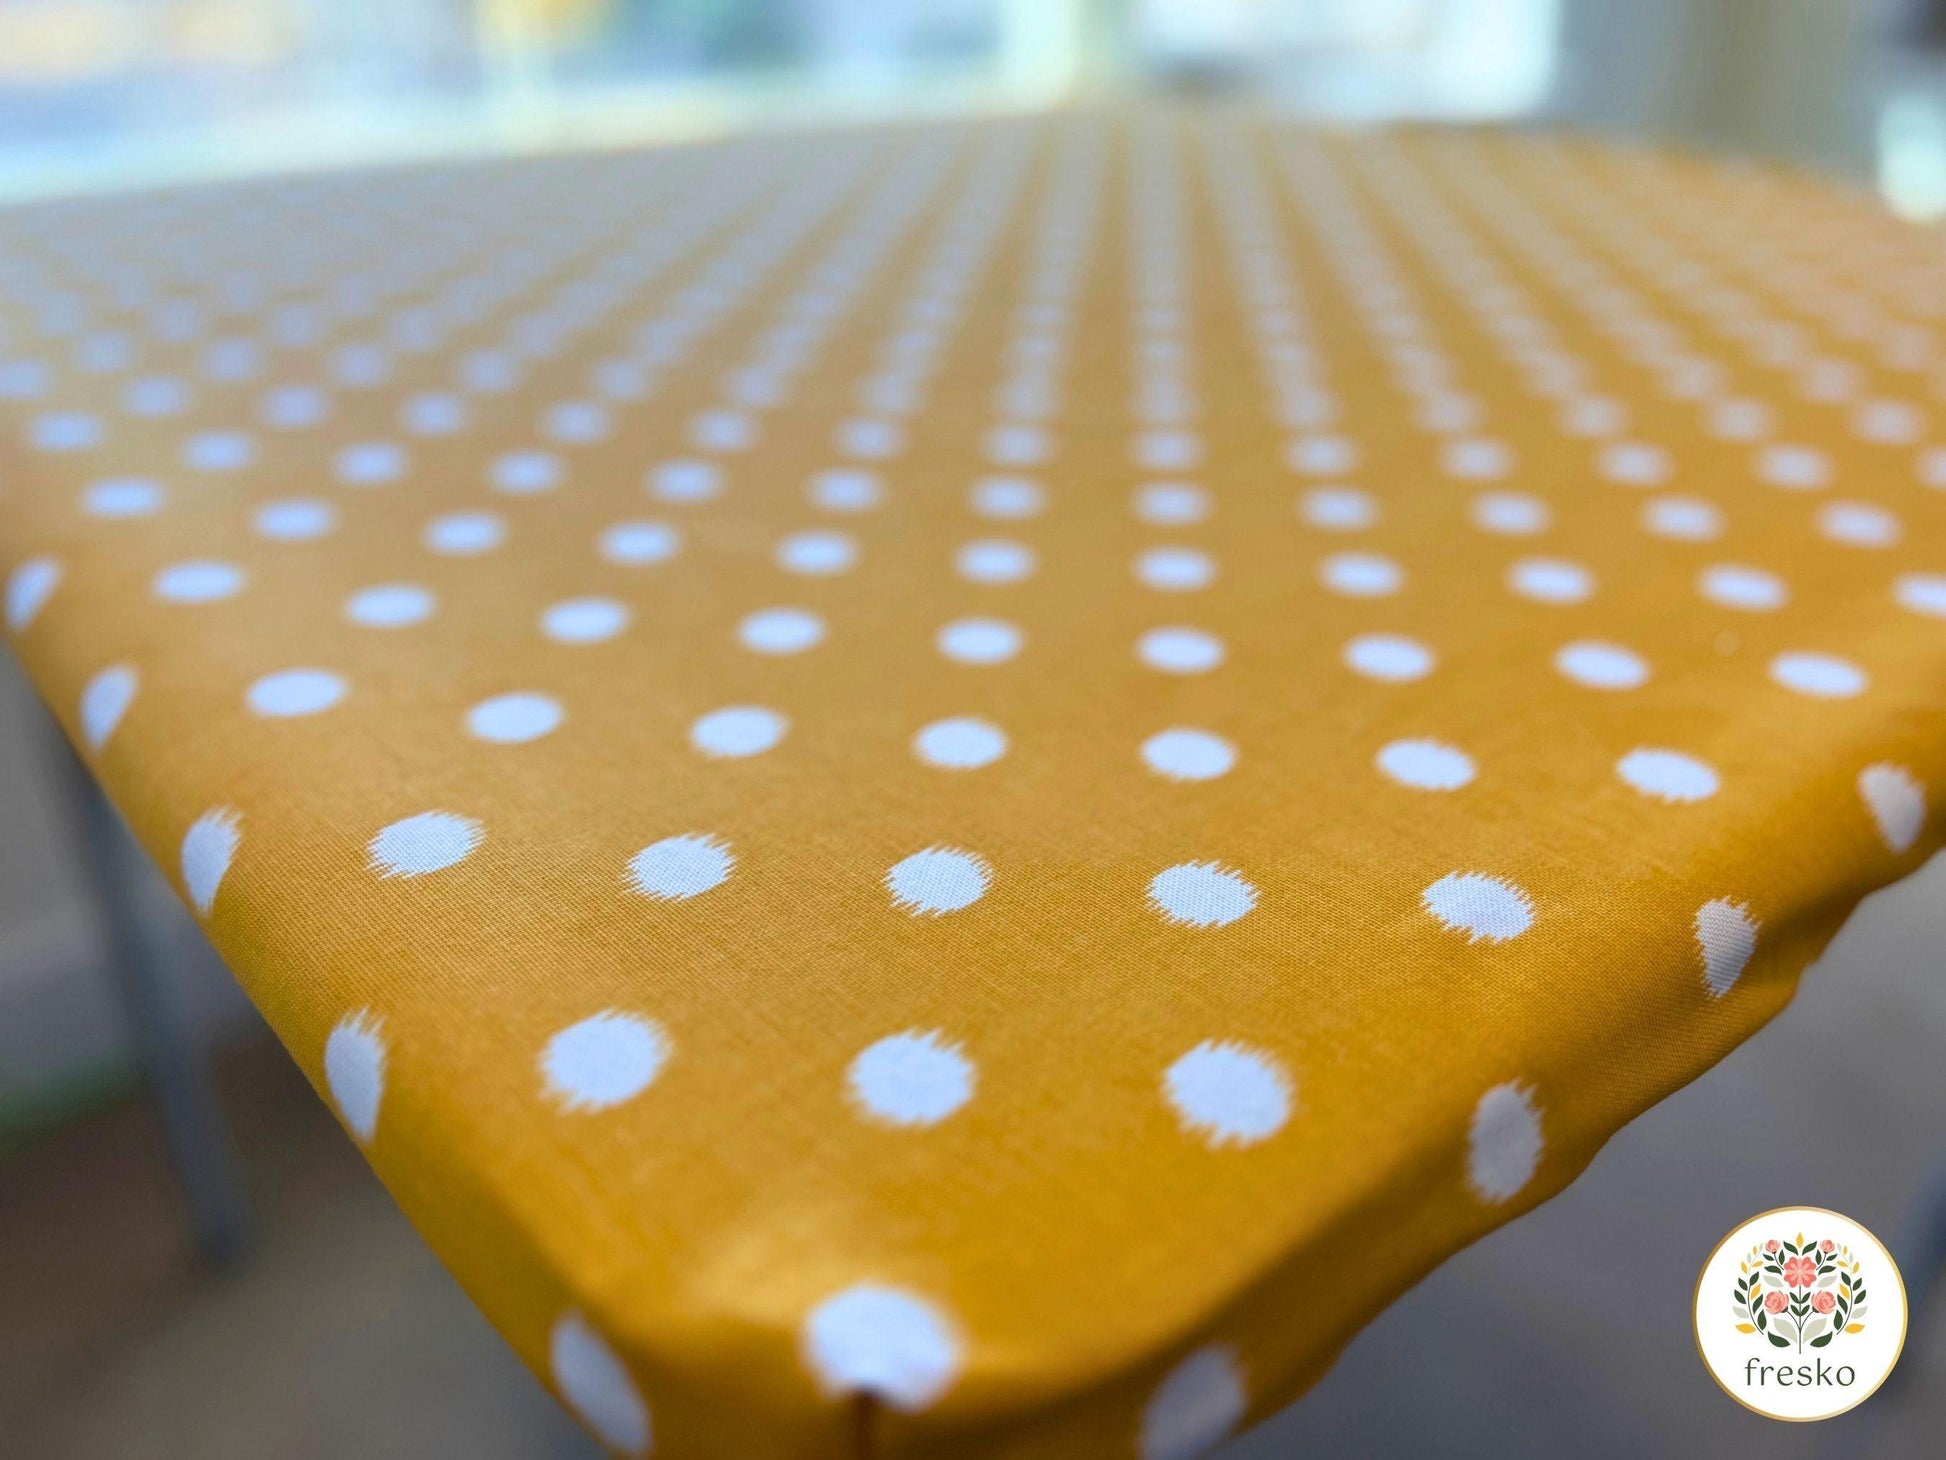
1771, 1245
1824, 1302
1827, 1246
1800, 1272
1774, 1302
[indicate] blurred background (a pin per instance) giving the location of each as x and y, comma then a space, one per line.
338, 1335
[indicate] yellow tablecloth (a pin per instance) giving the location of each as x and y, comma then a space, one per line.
963, 790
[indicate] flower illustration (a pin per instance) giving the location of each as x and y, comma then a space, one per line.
1771, 1245
1775, 1302
1827, 1246
1825, 1302
1800, 1272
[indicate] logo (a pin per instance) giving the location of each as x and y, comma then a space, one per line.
1800, 1314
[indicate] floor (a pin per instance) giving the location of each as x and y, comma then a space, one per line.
1566, 1333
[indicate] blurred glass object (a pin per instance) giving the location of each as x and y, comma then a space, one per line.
138, 90
1361, 59
1912, 156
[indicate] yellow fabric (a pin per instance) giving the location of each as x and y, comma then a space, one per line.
1432, 633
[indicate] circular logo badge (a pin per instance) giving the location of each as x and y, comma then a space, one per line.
1800, 1313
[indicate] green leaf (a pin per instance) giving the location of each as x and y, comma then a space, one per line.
1779, 1342
1821, 1342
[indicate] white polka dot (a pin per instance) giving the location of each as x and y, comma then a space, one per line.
1228, 1095
636, 544
1321, 456
1426, 765
1503, 1142
514, 719
817, 554
199, 581
429, 842
293, 692
726, 431
1888, 422
872, 440
938, 880
845, 489
354, 1071
1599, 665
913, 1079
1175, 569
1743, 588
1668, 775
463, 534
1166, 450
1859, 524
1338, 509
1726, 937
781, 631
434, 413
1479, 906
1684, 519
1391, 658
295, 407
299, 519
584, 620
1178, 650
1188, 755
104, 701
595, 1384
122, 497
29, 587
207, 849
994, 561
1197, 1407
1795, 468
523, 473
1897, 802
156, 396
390, 605
680, 867
1551, 580
979, 641
64, 431
1922, 593
882, 1342
1739, 420
1201, 894
1634, 463
1361, 575
576, 422
370, 464
219, 451
1821, 676
737, 731
602, 1061
1477, 460
1013, 445
962, 744
685, 481
1509, 514
1007, 499
1172, 504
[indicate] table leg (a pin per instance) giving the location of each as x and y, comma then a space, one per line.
146, 967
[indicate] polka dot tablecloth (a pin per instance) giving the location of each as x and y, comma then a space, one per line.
962, 790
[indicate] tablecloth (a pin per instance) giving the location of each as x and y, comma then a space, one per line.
961, 789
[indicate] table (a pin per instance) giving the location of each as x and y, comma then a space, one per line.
963, 789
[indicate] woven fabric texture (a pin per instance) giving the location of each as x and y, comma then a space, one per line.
961, 790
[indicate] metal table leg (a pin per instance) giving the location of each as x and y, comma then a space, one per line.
147, 969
